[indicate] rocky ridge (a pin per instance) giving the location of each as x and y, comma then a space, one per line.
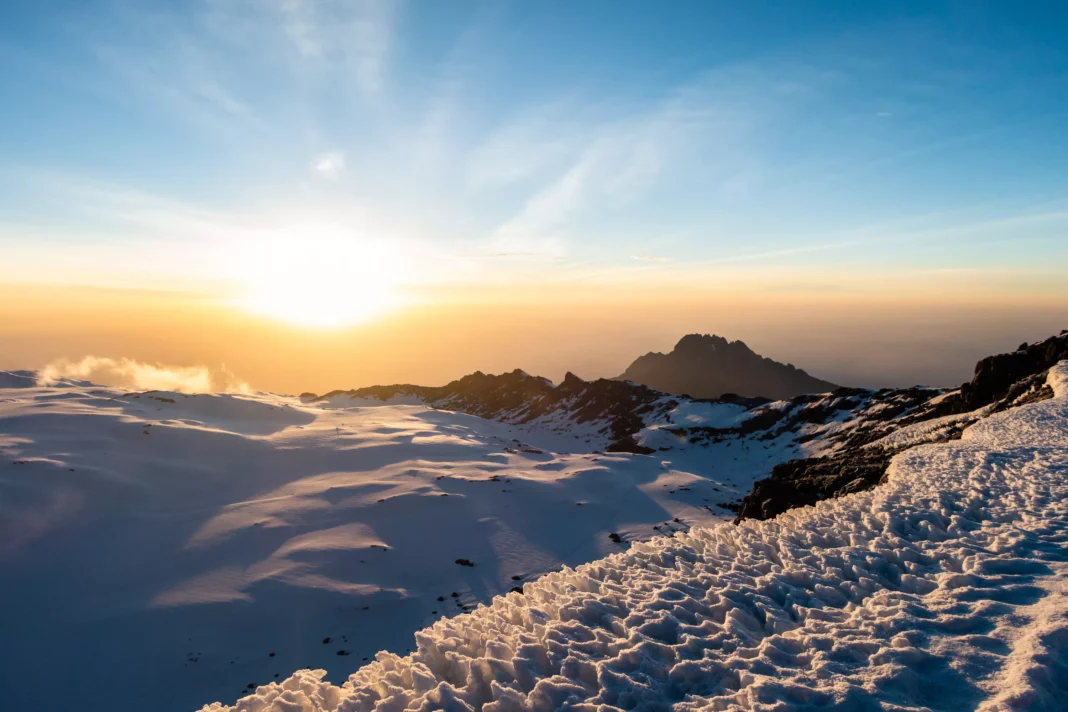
617, 409
843, 439
901, 420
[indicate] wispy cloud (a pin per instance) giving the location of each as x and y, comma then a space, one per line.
650, 258
197, 67
183, 83
114, 205
634, 149
787, 252
525, 257
532, 144
445, 104
353, 35
618, 161
548, 210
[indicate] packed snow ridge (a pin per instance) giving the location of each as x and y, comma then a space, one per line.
945, 588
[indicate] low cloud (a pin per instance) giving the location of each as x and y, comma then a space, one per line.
329, 165
141, 376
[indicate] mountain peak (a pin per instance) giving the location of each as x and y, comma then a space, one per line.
709, 365
708, 342
572, 381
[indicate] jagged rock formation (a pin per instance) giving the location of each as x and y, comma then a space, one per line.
708, 366
617, 407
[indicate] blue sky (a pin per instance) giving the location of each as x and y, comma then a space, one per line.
175, 143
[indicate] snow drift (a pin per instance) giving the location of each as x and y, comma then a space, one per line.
945, 588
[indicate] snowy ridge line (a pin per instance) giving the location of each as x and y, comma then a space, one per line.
946, 586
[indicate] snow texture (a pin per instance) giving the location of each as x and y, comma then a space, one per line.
926, 430
946, 588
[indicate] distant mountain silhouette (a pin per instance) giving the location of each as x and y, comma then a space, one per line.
708, 366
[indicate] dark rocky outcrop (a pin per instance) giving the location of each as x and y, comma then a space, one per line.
518, 397
1002, 381
1004, 377
735, 399
802, 482
708, 366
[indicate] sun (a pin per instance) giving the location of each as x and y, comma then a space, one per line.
319, 276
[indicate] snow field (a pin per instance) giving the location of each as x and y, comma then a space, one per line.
200, 543
946, 588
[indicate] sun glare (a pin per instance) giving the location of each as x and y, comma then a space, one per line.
318, 276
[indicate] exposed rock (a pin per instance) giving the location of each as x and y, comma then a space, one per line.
802, 482
1003, 381
996, 377
520, 398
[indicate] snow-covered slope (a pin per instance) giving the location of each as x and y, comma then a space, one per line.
946, 588
17, 379
158, 550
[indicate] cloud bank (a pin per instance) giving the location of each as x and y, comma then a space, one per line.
142, 376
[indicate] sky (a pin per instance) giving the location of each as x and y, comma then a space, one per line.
329, 194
